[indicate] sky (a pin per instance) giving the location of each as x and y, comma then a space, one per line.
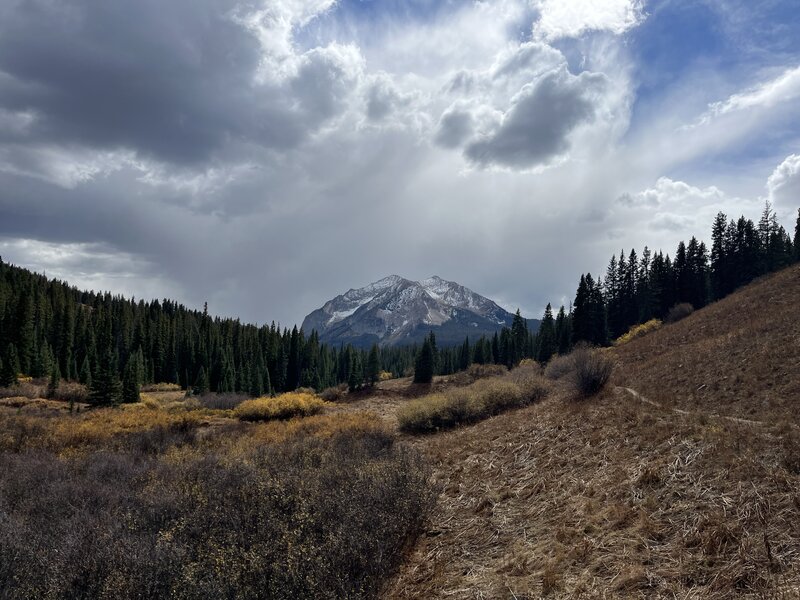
266, 156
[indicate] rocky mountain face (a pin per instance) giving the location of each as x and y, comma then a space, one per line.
397, 311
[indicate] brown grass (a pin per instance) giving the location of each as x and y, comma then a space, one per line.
285, 406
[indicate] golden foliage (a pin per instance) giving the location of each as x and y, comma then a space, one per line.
285, 406
638, 331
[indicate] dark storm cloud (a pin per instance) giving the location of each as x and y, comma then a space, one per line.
537, 127
174, 81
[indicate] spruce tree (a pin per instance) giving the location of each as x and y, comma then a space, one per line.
374, 365
10, 370
106, 389
423, 366
131, 380
85, 376
202, 385
356, 379
547, 343
564, 332
519, 338
55, 379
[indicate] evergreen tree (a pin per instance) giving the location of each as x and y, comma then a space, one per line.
564, 332
202, 384
131, 380
356, 379
55, 379
465, 355
10, 370
547, 342
519, 339
374, 365
424, 364
85, 376
106, 388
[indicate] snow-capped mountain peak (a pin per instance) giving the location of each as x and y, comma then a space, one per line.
395, 310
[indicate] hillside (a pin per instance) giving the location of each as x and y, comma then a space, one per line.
739, 356
619, 497
397, 311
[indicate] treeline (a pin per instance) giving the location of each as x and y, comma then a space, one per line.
636, 288
640, 287
113, 345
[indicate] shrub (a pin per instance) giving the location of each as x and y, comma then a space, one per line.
469, 404
334, 394
24, 389
385, 376
678, 312
638, 331
221, 401
559, 366
70, 391
592, 370
476, 371
285, 406
161, 387
247, 518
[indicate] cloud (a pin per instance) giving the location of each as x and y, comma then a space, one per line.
670, 193
176, 83
571, 18
536, 129
783, 186
783, 88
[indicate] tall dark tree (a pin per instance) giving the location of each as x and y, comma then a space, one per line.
106, 387
132, 378
547, 342
797, 237
356, 379
424, 364
10, 367
55, 380
564, 332
373, 365
519, 338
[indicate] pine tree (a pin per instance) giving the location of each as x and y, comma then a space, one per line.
202, 385
519, 338
356, 379
131, 380
10, 371
374, 365
106, 388
563, 332
55, 379
547, 343
85, 376
423, 366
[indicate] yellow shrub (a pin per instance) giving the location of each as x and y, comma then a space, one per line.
638, 331
385, 376
285, 406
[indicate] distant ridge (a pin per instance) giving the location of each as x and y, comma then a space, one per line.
396, 311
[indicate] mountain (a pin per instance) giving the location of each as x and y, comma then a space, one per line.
396, 311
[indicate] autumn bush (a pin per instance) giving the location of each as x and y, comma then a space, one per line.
335, 393
70, 391
285, 406
161, 387
219, 401
638, 331
472, 403
314, 508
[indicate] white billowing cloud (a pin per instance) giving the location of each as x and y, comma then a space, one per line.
571, 18
783, 186
669, 193
525, 110
782, 89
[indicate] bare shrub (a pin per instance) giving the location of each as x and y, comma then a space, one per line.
476, 371
679, 312
161, 387
247, 518
221, 401
70, 391
559, 366
334, 394
23, 389
592, 370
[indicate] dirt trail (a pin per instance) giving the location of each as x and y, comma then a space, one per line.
679, 411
